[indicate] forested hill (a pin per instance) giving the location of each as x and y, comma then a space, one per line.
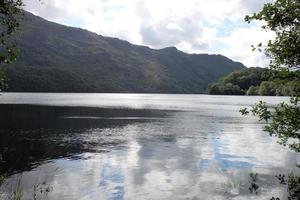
57, 58
257, 81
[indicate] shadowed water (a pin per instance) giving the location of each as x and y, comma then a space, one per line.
130, 146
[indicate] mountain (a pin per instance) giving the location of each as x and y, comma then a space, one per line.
57, 58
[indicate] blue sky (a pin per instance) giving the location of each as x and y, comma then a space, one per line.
193, 26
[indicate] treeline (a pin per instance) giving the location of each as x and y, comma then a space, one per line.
257, 81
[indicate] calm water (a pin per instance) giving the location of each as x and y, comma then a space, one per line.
138, 146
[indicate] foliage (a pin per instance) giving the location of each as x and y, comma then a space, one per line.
285, 123
41, 191
258, 81
10, 13
292, 88
241, 79
17, 194
252, 91
267, 88
292, 182
2, 179
228, 89
2, 80
253, 183
283, 18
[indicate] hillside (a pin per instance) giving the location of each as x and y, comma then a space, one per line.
257, 81
57, 58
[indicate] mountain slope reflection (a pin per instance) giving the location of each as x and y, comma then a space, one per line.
32, 134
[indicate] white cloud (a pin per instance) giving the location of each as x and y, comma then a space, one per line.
239, 48
190, 25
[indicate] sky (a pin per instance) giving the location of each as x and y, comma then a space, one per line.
193, 26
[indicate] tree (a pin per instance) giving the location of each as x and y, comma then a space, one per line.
252, 91
239, 82
231, 89
282, 17
285, 124
267, 88
213, 89
10, 14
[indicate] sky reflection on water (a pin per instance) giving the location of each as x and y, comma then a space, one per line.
142, 147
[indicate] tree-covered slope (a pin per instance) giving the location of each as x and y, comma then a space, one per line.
257, 81
57, 58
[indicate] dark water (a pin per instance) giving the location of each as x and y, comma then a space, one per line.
129, 146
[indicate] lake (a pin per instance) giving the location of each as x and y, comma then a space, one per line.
138, 146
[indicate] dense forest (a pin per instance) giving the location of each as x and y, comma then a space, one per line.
57, 58
256, 81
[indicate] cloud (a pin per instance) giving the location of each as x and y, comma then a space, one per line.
195, 26
238, 46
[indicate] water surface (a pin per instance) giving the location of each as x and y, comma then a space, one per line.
139, 146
